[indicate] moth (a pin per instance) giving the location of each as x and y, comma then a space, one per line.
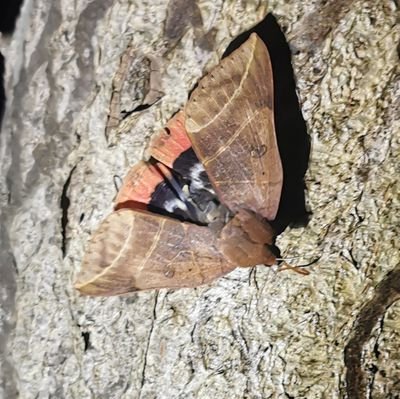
201, 205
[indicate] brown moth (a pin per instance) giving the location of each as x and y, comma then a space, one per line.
200, 206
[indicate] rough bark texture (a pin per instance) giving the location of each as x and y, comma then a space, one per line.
252, 334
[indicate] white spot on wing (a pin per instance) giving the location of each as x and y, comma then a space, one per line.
173, 204
196, 182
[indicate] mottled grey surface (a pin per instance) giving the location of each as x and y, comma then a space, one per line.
253, 334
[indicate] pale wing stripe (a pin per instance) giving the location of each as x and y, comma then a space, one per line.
232, 139
114, 261
153, 246
234, 95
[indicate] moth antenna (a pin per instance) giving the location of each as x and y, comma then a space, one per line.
166, 172
170, 178
291, 258
284, 260
297, 269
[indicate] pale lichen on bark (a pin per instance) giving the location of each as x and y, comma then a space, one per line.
252, 334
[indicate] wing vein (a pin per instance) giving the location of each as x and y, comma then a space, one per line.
153, 246
234, 94
105, 271
232, 139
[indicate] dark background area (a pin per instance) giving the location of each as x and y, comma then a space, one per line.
9, 12
291, 130
2, 91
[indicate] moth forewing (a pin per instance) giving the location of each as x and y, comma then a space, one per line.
230, 121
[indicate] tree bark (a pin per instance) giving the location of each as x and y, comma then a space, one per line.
78, 77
